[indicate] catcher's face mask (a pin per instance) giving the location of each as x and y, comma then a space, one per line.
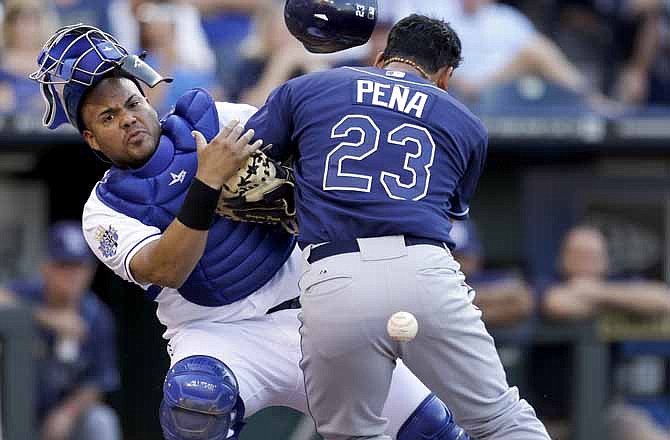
75, 58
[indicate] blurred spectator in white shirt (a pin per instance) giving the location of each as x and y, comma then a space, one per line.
500, 45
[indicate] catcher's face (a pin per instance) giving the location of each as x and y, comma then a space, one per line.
120, 123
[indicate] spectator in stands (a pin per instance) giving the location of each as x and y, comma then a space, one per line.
158, 24
503, 45
641, 29
585, 290
584, 293
270, 57
227, 23
659, 83
77, 363
631, 45
503, 296
93, 12
506, 301
26, 25
192, 51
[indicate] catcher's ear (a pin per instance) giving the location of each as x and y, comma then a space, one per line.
90, 139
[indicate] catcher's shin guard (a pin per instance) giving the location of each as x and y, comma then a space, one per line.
431, 420
201, 401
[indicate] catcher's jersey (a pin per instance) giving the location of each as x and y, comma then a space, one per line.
115, 238
378, 152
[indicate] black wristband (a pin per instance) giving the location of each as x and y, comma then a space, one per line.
197, 211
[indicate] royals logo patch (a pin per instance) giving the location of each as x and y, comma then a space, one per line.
107, 240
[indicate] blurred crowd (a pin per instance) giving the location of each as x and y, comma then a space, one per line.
607, 56
583, 287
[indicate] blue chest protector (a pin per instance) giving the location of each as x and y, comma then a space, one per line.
239, 257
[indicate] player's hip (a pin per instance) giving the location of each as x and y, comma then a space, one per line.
408, 257
175, 312
387, 274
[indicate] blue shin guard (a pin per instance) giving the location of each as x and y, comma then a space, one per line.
431, 420
201, 401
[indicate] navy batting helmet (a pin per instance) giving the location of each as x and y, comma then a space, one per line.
325, 26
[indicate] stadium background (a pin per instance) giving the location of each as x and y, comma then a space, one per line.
557, 158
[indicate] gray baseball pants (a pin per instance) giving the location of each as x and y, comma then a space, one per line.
348, 357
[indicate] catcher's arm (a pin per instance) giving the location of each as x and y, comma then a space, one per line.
169, 260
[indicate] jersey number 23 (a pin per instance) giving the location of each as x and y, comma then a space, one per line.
361, 137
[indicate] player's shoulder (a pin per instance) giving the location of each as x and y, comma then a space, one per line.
462, 113
315, 85
96, 209
94, 202
328, 76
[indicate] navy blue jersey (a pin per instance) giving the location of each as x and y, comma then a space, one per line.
378, 152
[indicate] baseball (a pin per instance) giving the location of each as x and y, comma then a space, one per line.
402, 326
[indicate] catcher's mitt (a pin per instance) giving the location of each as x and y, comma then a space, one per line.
260, 192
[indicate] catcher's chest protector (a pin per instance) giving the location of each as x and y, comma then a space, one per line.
239, 257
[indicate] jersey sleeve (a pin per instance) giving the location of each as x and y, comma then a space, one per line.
460, 202
114, 237
273, 123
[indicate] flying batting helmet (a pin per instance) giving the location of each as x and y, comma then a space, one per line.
325, 26
77, 57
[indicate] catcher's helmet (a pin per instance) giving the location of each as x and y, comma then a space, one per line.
76, 57
325, 26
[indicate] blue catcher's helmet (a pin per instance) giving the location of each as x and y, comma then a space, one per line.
325, 26
76, 57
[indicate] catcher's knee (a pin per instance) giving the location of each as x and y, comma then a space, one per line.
200, 401
431, 420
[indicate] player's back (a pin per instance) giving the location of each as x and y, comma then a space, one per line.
381, 152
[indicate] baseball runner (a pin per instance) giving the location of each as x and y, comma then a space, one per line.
384, 158
225, 289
